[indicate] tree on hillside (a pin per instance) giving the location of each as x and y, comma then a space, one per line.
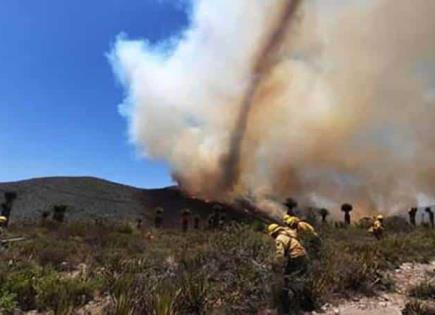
291, 204
59, 213
196, 222
158, 217
44, 215
347, 209
431, 216
324, 213
412, 214
185, 217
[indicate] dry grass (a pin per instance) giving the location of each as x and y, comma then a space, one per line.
198, 272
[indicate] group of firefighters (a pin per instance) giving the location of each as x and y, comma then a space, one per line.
291, 239
296, 241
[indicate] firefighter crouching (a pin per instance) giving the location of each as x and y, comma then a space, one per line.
306, 233
292, 257
304, 229
377, 229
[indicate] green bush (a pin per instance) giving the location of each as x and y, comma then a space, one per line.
20, 282
8, 302
54, 292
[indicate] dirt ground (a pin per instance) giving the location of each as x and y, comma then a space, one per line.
384, 303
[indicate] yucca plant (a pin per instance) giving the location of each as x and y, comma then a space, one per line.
324, 213
412, 214
122, 294
291, 204
193, 294
59, 213
158, 217
347, 209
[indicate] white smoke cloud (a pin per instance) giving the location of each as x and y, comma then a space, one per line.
343, 113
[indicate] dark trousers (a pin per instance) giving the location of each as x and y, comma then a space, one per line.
294, 285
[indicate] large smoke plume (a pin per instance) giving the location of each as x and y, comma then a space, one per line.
324, 100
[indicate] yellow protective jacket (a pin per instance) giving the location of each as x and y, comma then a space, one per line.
306, 231
290, 232
377, 227
287, 246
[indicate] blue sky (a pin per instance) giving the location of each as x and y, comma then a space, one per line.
58, 96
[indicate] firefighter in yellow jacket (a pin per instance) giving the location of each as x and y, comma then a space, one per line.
304, 229
377, 229
291, 255
3, 220
306, 233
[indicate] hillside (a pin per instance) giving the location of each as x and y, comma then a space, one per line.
89, 197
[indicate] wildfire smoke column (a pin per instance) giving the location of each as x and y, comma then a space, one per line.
264, 63
324, 100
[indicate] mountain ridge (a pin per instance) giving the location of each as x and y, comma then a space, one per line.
91, 197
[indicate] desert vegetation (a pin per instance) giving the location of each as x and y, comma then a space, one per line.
120, 269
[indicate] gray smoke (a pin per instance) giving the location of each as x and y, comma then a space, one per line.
329, 103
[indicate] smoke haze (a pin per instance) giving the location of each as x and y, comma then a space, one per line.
328, 101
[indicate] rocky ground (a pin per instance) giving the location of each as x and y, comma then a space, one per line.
385, 303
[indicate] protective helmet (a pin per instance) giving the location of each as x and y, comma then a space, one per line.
3, 219
272, 228
380, 217
292, 221
286, 217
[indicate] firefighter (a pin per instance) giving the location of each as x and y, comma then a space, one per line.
292, 258
3, 220
306, 233
304, 229
377, 229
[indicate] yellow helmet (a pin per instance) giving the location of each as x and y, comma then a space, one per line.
3, 219
286, 217
272, 228
380, 217
292, 220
